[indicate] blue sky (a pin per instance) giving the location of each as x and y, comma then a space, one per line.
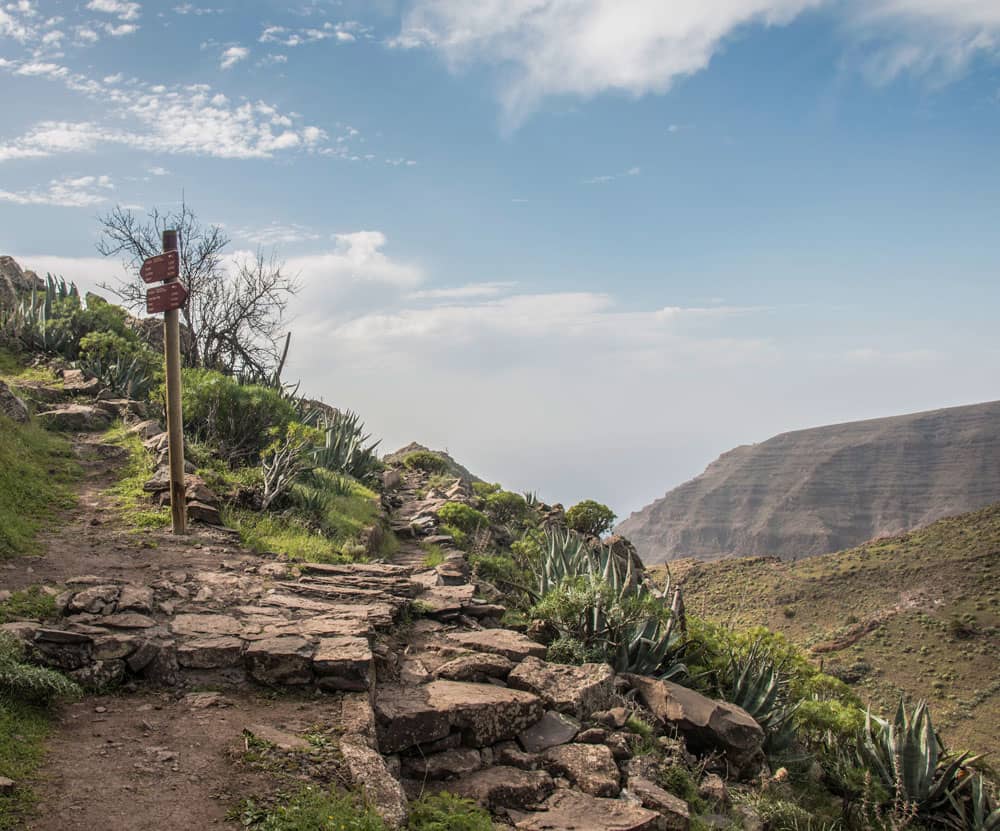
586, 245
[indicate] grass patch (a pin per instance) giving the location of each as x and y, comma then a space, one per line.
311, 809
37, 470
29, 604
23, 730
292, 536
132, 501
13, 369
444, 812
433, 555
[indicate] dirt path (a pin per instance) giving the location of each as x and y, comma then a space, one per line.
144, 758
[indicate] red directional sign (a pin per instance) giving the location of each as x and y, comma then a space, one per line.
161, 267
167, 297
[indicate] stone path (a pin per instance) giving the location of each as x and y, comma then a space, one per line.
411, 673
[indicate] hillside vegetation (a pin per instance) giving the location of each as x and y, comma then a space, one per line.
917, 614
825, 489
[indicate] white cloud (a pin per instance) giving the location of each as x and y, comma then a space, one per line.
158, 171
586, 47
80, 192
345, 32
122, 10
277, 233
470, 291
191, 119
357, 260
232, 56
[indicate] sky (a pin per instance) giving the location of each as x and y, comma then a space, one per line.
586, 246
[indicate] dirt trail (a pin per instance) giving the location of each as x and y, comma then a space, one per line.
143, 758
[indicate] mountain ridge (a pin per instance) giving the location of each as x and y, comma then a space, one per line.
822, 489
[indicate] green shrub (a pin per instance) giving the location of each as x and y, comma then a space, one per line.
28, 683
433, 556
236, 420
567, 650
123, 364
346, 448
484, 489
504, 507
426, 461
458, 536
463, 517
590, 518
36, 470
444, 812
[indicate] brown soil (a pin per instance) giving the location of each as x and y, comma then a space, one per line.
145, 759
154, 761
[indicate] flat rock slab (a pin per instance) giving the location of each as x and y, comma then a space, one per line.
210, 653
574, 811
281, 739
485, 714
343, 663
590, 767
552, 730
447, 600
569, 689
280, 661
445, 765
475, 667
74, 418
205, 625
512, 645
504, 787
675, 812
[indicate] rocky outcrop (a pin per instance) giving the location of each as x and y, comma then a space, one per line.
829, 488
704, 723
11, 406
75, 418
15, 283
578, 691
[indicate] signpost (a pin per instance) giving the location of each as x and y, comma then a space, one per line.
169, 298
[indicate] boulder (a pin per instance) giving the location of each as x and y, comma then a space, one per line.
484, 713
203, 512
280, 661
476, 667
705, 724
146, 430
16, 284
573, 811
578, 690
674, 811
135, 599
503, 787
11, 406
589, 767
343, 663
74, 418
614, 718
97, 600
511, 755
512, 645
76, 383
100, 675
445, 765
551, 730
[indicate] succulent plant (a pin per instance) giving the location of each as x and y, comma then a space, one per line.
909, 760
754, 680
346, 448
973, 809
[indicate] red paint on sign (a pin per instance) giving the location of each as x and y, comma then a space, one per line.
167, 297
161, 267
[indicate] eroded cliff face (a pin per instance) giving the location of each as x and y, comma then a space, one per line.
821, 490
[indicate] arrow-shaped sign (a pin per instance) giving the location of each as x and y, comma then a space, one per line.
161, 267
166, 298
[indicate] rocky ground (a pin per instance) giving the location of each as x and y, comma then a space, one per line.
234, 672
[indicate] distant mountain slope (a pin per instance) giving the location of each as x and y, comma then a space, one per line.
815, 491
917, 614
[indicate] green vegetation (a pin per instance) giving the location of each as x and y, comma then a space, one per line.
445, 812
37, 470
915, 615
312, 809
23, 730
347, 448
132, 501
504, 507
26, 682
33, 603
124, 365
426, 461
235, 419
463, 517
434, 555
590, 518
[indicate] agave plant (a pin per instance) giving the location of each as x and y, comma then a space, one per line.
32, 323
346, 448
755, 681
908, 758
974, 810
611, 609
123, 375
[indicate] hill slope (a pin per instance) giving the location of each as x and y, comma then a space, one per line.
820, 490
918, 614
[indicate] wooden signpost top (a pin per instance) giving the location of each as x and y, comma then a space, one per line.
166, 298
162, 267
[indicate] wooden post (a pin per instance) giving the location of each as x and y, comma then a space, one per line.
175, 421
